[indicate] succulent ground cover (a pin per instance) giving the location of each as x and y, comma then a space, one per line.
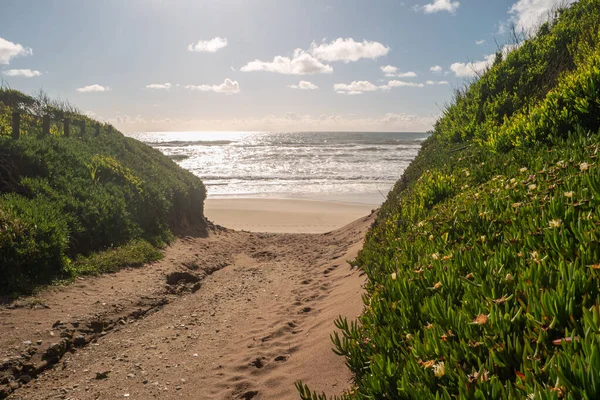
484, 264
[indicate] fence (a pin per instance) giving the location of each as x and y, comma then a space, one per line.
17, 122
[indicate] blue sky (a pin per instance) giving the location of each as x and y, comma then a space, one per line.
255, 65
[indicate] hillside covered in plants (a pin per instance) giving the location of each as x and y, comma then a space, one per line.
484, 264
88, 203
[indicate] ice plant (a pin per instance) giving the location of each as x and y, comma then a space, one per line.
555, 223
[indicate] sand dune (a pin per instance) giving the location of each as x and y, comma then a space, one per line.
236, 315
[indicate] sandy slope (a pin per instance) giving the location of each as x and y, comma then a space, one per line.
248, 315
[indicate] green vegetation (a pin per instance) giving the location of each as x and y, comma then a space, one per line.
484, 264
82, 204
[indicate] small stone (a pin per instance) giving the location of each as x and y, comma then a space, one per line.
27, 343
25, 379
14, 385
80, 341
38, 342
102, 375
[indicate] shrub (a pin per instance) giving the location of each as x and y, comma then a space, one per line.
104, 192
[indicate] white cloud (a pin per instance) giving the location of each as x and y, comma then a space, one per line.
436, 68
165, 86
25, 73
208, 46
304, 85
440, 5
356, 87
227, 87
389, 70
301, 63
348, 50
93, 88
409, 74
476, 68
10, 50
392, 71
396, 83
529, 14
479, 42
437, 83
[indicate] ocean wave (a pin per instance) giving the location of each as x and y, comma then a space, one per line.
294, 178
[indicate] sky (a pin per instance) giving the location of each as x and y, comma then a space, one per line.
257, 65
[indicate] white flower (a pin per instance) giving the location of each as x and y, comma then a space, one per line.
584, 166
439, 369
435, 256
393, 276
533, 186
524, 169
555, 223
569, 195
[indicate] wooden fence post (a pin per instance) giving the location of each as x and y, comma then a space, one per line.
81, 128
66, 124
46, 125
16, 125
97, 128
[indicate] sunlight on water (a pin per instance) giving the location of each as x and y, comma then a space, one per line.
341, 166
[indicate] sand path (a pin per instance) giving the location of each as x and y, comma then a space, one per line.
235, 315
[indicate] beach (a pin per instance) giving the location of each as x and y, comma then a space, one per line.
283, 215
230, 315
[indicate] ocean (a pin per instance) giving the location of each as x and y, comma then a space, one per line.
354, 167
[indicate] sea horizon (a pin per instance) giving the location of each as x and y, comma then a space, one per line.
340, 166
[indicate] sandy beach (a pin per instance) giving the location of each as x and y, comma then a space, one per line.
283, 215
234, 315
